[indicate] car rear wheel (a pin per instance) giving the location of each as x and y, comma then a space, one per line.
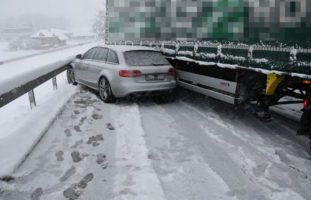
71, 76
164, 98
105, 92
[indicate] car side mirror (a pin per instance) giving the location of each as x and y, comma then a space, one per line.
79, 56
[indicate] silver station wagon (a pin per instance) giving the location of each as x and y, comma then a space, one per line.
119, 71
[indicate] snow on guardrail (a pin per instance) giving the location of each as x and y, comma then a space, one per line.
13, 75
17, 141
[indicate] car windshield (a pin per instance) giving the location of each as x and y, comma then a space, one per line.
145, 58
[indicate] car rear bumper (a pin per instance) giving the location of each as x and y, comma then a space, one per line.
123, 89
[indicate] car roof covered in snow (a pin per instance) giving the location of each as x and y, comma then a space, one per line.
123, 48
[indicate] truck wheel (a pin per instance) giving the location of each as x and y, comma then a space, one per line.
164, 98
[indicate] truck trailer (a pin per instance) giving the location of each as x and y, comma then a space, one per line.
240, 52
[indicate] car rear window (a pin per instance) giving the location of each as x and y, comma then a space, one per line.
145, 58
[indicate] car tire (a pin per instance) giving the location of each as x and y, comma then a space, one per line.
163, 99
71, 76
105, 91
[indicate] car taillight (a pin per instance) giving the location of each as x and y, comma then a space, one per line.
129, 73
172, 72
306, 103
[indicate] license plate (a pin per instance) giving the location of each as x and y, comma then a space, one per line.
155, 77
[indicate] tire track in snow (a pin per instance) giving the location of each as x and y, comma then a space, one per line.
259, 156
136, 178
182, 170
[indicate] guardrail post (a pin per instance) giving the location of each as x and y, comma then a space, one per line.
162, 47
32, 99
177, 47
54, 81
219, 52
195, 49
293, 56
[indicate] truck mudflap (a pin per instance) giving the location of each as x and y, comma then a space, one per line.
305, 122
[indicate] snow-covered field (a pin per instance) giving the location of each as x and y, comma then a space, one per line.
16, 73
193, 148
22, 127
6, 54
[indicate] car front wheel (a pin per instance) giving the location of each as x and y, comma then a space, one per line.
105, 92
71, 76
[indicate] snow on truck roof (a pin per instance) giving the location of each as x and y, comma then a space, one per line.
123, 48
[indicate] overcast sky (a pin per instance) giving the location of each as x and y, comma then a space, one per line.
80, 13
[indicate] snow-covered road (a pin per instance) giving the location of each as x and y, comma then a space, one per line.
193, 148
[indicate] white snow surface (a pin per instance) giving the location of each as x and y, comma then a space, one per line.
17, 120
21, 127
132, 159
194, 148
6, 54
60, 34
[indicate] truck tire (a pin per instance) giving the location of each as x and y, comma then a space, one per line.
305, 122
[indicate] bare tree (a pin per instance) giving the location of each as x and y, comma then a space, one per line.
99, 25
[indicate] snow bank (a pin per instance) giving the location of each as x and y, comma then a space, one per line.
132, 159
8, 55
18, 80
18, 139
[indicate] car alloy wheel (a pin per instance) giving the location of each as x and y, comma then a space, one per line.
105, 92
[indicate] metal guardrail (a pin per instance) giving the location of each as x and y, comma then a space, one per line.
29, 86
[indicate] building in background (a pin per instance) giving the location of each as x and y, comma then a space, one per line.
14, 33
51, 37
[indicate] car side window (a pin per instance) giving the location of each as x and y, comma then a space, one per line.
89, 54
101, 54
112, 57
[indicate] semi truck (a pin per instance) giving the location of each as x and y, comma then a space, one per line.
240, 52
242, 74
